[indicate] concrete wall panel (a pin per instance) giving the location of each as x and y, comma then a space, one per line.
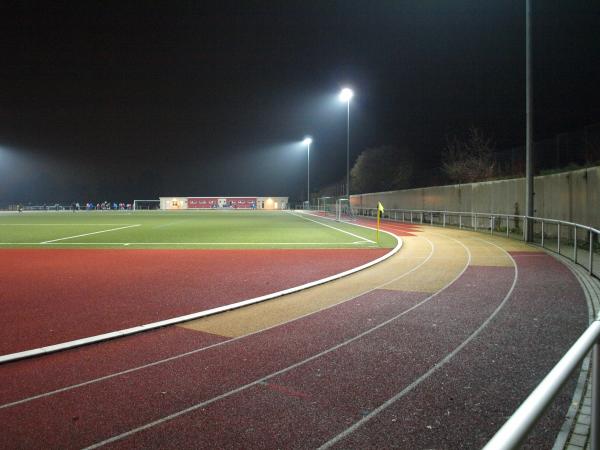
573, 196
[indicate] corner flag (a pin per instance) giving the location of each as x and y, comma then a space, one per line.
380, 211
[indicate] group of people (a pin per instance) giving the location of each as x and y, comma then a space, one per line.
89, 206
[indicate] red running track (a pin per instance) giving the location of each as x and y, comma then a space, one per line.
49, 296
459, 406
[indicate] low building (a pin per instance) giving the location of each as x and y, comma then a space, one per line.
170, 203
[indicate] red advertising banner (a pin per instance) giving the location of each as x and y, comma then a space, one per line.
222, 202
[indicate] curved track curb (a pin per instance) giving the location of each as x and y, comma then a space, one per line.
197, 315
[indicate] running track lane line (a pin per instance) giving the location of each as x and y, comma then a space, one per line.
89, 234
175, 320
435, 367
279, 372
228, 341
334, 228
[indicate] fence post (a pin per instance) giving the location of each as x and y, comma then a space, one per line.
431, 218
507, 226
591, 252
542, 234
558, 240
474, 216
421, 217
575, 244
411, 217
460, 221
492, 225
525, 225
444, 219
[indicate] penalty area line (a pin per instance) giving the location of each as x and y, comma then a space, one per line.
88, 234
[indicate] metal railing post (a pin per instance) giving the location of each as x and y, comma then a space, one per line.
431, 218
525, 225
507, 226
575, 244
542, 233
558, 240
421, 217
444, 219
411, 215
474, 217
460, 221
491, 225
595, 438
591, 263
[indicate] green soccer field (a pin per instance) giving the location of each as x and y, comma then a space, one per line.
196, 229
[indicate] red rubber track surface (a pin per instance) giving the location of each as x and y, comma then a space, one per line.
52, 296
459, 406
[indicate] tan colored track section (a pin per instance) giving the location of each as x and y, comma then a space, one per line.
263, 315
429, 262
447, 262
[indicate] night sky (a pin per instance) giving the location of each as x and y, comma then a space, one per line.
123, 100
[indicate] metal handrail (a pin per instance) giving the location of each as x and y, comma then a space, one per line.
518, 426
516, 429
496, 220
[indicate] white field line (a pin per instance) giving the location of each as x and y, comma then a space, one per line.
197, 315
435, 367
185, 243
89, 234
59, 224
225, 342
334, 228
279, 372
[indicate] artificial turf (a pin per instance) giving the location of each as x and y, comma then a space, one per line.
181, 229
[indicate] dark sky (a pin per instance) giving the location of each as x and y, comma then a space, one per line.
123, 100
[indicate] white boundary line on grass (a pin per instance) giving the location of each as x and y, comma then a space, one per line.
186, 243
89, 234
334, 228
74, 224
186, 318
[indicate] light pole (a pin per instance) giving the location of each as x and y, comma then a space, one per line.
307, 141
529, 156
345, 96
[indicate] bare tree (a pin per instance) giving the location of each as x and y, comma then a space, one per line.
381, 169
470, 159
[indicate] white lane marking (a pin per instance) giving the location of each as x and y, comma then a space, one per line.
89, 234
433, 369
334, 228
218, 344
197, 315
279, 372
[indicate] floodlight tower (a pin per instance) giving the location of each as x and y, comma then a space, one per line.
307, 141
345, 96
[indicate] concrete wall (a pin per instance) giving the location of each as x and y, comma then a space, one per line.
572, 196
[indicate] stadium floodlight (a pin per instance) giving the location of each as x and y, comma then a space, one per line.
345, 96
307, 141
